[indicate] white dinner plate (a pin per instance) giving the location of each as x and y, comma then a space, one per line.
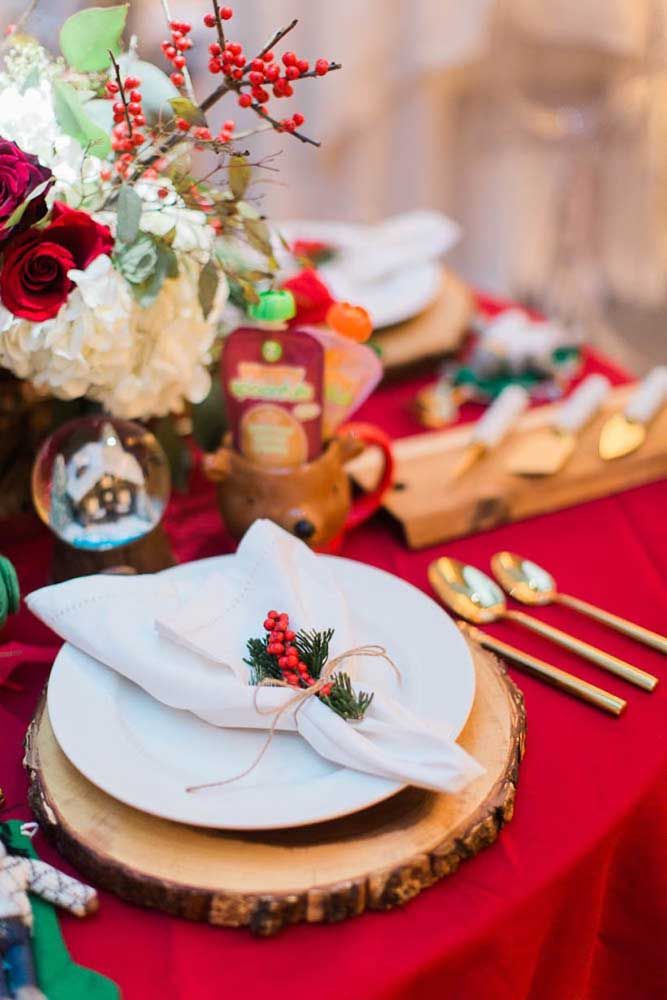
145, 754
393, 298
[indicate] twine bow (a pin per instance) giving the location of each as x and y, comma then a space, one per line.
298, 701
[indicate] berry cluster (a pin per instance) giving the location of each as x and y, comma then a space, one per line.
175, 49
128, 117
280, 644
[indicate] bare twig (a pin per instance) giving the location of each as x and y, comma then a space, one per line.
259, 109
121, 91
18, 26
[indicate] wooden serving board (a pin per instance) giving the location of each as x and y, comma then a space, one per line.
432, 506
437, 331
376, 859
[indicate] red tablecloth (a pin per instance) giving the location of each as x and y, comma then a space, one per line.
571, 902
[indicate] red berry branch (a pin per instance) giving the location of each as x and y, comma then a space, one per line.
128, 116
298, 659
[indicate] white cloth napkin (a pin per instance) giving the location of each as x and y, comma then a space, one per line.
183, 642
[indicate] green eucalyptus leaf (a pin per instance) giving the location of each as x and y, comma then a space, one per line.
138, 261
239, 176
86, 38
208, 418
18, 212
128, 214
184, 108
74, 121
209, 278
166, 266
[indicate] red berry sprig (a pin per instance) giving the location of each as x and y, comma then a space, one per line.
175, 48
128, 116
281, 645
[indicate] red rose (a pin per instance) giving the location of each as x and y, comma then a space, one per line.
34, 280
20, 174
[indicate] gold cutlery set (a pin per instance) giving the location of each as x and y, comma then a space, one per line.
545, 450
479, 599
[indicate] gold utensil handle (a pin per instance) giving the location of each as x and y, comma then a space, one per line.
605, 660
635, 631
552, 675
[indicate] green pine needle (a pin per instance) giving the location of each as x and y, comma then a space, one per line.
313, 648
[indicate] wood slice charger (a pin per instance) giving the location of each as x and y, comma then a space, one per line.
373, 860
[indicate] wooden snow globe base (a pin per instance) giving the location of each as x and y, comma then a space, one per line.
148, 554
373, 860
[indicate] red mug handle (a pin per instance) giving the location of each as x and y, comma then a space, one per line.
365, 506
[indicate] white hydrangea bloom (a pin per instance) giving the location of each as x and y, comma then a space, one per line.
28, 119
136, 362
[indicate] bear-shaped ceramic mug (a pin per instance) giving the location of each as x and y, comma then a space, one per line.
312, 501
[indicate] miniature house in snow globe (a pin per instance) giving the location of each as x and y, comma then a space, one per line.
102, 485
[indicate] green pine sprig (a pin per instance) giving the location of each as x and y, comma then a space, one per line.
313, 649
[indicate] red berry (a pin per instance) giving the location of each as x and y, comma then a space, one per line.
215, 49
134, 107
235, 48
298, 118
182, 125
278, 648
272, 614
288, 125
202, 133
105, 174
303, 65
209, 20
272, 72
118, 106
177, 79
256, 78
136, 96
245, 100
260, 95
292, 661
229, 126
111, 87
162, 192
237, 74
289, 59
226, 13
268, 624
184, 27
291, 73
288, 90
289, 635
179, 62
239, 60
170, 52
137, 138
257, 65
276, 635
322, 67
326, 691
282, 662
139, 121
214, 66
183, 44
268, 57
119, 116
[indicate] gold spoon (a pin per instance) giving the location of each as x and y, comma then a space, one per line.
476, 597
528, 583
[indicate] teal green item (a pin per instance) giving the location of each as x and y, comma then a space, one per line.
9, 583
59, 977
276, 306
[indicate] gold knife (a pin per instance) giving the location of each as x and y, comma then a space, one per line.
554, 676
624, 432
544, 451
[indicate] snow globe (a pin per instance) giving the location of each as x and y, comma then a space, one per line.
101, 485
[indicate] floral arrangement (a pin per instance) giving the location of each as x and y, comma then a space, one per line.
116, 260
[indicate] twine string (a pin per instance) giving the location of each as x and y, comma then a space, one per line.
297, 702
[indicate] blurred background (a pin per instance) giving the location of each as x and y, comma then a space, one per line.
539, 125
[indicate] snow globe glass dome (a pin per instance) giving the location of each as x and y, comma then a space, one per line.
100, 483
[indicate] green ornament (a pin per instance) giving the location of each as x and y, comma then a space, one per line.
10, 594
276, 306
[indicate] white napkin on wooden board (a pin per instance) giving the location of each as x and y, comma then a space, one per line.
184, 644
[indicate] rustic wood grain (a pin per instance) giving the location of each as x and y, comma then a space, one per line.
373, 860
437, 331
432, 506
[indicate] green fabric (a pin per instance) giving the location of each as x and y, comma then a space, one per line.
10, 583
59, 977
